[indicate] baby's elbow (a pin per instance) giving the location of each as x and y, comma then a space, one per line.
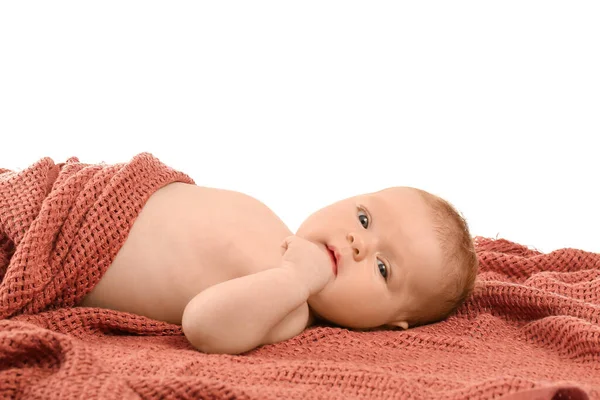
195, 326
204, 335
208, 344
200, 344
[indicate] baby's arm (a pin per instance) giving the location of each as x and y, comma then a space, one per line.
238, 315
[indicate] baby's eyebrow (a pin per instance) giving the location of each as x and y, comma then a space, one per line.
398, 265
398, 271
395, 257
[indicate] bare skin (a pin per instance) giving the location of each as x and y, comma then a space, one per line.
226, 268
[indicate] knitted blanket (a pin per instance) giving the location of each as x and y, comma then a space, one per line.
530, 330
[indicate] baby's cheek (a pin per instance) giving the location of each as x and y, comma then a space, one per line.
354, 295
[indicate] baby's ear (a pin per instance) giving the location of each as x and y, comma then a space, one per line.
399, 324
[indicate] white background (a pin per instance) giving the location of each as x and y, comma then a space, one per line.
492, 105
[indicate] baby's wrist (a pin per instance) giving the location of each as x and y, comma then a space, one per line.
296, 277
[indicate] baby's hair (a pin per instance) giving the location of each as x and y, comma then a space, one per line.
460, 257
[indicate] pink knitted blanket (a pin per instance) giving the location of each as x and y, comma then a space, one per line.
531, 330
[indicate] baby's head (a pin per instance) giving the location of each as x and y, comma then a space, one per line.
404, 258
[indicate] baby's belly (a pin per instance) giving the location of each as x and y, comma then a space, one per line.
148, 279
185, 240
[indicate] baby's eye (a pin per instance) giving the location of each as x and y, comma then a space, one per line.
363, 218
382, 269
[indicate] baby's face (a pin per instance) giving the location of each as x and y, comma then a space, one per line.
389, 261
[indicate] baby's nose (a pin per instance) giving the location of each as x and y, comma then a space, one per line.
358, 246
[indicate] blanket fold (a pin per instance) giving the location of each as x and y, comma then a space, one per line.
61, 225
530, 330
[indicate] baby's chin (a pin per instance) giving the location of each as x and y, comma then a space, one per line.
322, 313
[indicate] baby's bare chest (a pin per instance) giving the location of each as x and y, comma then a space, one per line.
185, 240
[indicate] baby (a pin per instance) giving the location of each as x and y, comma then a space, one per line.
226, 268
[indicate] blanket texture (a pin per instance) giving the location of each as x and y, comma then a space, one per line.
530, 330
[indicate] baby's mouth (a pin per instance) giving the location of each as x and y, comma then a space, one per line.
332, 255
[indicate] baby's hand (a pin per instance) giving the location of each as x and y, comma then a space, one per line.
311, 264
